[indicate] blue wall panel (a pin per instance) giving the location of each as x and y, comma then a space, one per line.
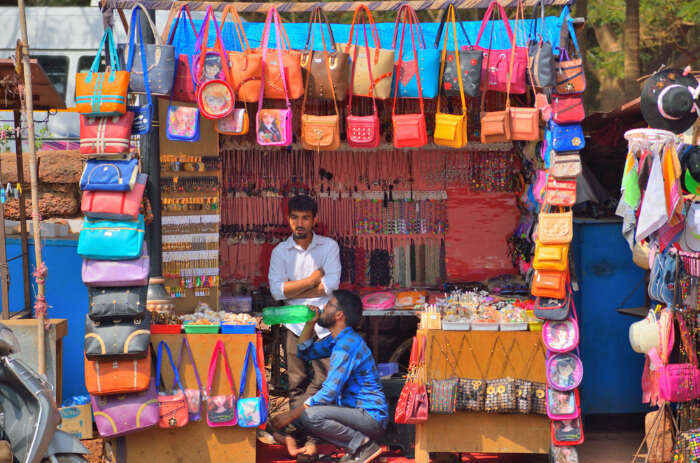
67, 297
607, 275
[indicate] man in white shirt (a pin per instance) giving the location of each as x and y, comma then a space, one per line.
304, 270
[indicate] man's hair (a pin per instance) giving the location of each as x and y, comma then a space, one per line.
351, 305
303, 203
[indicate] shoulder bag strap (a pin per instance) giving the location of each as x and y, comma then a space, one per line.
135, 20
200, 46
219, 349
442, 24
537, 21
451, 18
176, 375
222, 52
281, 38
186, 346
488, 59
487, 16
108, 44
316, 17
250, 352
369, 69
409, 19
168, 35
237, 26
518, 12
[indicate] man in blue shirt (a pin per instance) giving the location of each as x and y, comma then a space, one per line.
350, 409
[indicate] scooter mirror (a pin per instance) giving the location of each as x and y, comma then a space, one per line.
8, 341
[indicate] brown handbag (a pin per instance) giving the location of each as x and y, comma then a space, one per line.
555, 227
495, 125
334, 60
524, 122
246, 65
570, 75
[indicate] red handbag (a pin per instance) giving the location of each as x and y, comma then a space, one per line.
183, 86
106, 135
567, 109
412, 406
560, 192
114, 205
409, 129
362, 131
494, 67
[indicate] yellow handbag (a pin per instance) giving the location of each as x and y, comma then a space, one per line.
451, 129
555, 227
551, 256
524, 122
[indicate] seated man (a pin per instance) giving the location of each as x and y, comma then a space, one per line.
350, 409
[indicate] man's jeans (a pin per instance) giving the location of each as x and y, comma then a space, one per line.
341, 426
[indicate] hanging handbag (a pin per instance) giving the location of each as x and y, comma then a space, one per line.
195, 397
551, 257
412, 405
102, 93
566, 165
183, 80
495, 125
524, 121
567, 137
114, 205
117, 415
423, 65
286, 82
109, 175
362, 131
110, 240
570, 75
471, 394
567, 432
320, 132
334, 62
409, 129
183, 123
555, 227
560, 192
215, 96
678, 382
117, 376
563, 454
372, 74
563, 405
538, 403
462, 73
124, 303
561, 336
564, 371
155, 71
236, 123
221, 409
523, 394
106, 135
540, 51
251, 412
567, 109
451, 129
111, 273
500, 396
549, 284
443, 396
121, 339
273, 127
246, 65
172, 405
495, 64
547, 308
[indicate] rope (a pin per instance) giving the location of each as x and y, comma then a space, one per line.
40, 304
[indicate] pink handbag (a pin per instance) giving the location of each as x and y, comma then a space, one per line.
221, 409
106, 135
114, 205
495, 65
563, 405
678, 382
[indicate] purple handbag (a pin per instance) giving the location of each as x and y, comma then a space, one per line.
109, 273
116, 415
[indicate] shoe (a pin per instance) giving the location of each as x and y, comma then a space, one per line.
364, 454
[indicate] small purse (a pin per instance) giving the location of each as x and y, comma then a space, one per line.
106, 135
523, 396
110, 240
549, 284
567, 109
500, 396
551, 257
566, 165
443, 396
560, 192
563, 405
123, 303
567, 137
564, 371
183, 123
563, 454
221, 409
471, 394
120, 339
251, 412
552, 309
109, 175
555, 227
561, 336
172, 407
194, 396
538, 398
567, 432
236, 123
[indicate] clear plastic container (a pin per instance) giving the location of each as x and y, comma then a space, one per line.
287, 314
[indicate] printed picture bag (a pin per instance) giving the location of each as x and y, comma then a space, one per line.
221, 409
251, 412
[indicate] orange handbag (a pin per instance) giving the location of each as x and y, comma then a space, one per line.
409, 129
291, 59
551, 257
102, 93
118, 376
555, 227
495, 125
246, 65
560, 192
549, 283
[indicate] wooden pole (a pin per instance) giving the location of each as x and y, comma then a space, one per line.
24, 236
4, 269
29, 115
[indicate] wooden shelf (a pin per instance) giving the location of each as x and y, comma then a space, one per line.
185, 173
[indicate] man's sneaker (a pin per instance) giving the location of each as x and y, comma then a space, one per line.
364, 454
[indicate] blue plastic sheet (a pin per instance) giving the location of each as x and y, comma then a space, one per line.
184, 37
76, 400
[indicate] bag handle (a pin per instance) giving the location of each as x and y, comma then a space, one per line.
144, 64
171, 33
237, 25
501, 12
452, 6
316, 15
369, 68
250, 352
487, 16
203, 40
519, 11
375, 35
176, 375
451, 17
567, 30
406, 10
272, 16
186, 345
108, 39
533, 26
219, 349
418, 31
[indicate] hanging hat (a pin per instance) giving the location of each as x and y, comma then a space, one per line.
690, 170
690, 239
669, 101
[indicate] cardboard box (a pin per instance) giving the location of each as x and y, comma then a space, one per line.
77, 420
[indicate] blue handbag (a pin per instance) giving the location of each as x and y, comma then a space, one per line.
182, 123
252, 411
143, 115
109, 175
567, 137
111, 240
422, 58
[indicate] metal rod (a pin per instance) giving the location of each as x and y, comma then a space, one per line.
4, 269
29, 113
26, 274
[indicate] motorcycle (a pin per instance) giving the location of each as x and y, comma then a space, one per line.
28, 411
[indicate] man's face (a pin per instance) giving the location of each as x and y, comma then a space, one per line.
328, 317
301, 223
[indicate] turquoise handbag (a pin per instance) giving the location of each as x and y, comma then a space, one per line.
111, 240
